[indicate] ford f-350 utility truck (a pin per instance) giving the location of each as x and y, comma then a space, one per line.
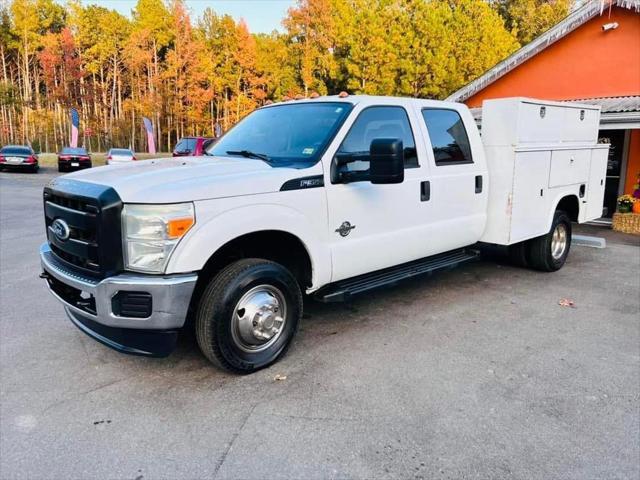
328, 197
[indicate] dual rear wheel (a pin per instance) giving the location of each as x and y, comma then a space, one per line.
548, 252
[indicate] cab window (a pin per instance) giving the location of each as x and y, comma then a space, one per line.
448, 136
373, 123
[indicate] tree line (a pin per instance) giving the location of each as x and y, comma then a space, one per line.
189, 74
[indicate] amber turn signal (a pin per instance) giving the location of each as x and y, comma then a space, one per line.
177, 227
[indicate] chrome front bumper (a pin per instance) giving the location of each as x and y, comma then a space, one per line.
171, 295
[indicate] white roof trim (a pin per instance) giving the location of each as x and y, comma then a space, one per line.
572, 21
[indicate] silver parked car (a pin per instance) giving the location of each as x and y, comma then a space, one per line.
120, 155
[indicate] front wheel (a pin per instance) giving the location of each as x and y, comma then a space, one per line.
549, 252
248, 315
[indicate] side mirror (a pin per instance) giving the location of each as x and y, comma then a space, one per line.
386, 164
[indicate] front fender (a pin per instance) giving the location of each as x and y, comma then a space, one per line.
216, 226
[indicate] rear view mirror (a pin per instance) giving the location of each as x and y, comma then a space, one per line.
386, 163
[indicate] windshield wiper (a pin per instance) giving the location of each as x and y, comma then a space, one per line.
249, 154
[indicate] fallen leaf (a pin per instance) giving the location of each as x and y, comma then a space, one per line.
280, 377
565, 302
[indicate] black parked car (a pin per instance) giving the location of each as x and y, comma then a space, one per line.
73, 159
18, 157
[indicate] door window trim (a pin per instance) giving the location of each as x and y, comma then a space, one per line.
406, 112
455, 162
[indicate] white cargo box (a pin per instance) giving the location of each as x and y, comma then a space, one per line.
525, 121
538, 153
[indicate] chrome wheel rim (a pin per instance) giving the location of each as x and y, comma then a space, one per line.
559, 241
259, 318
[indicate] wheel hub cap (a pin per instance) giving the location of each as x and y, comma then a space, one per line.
559, 241
259, 318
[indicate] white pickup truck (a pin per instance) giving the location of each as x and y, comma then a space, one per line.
327, 197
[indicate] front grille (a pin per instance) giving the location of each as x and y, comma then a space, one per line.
91, 214
72, 203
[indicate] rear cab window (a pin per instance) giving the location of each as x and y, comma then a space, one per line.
448, 136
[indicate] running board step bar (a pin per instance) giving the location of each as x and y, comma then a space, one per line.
342, 290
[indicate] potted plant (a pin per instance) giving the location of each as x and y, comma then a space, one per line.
625, 203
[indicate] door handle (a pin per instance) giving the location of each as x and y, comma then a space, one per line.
425, 191
478, 183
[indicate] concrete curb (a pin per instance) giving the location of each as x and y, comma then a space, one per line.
588, 241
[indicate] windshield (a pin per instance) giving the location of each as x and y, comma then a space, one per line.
120, 151
74, 151
15, 150
285, 134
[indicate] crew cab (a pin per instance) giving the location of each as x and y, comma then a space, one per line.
328, 198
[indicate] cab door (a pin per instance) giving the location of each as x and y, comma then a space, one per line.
458, 177
376, 226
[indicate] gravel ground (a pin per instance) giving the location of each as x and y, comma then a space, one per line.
473, 373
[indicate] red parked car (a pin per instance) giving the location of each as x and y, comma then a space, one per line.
73, 159
18, 157
192, 146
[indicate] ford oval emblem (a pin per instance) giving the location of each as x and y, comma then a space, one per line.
60, 229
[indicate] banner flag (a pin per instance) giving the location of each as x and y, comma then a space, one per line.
148, 126
75, 126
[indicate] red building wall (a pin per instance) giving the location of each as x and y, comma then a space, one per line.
587, 63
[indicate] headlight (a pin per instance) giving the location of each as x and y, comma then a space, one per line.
151, 232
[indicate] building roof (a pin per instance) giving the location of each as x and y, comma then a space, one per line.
575, 19
617, 112
613, 104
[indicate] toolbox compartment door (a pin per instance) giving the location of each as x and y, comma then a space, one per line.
540, 123
581, 125
529, 211
569, 167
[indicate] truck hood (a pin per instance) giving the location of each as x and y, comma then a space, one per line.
172, 180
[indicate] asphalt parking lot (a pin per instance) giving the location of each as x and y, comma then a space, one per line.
473, 373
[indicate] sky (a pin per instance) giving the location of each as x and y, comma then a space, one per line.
262, 16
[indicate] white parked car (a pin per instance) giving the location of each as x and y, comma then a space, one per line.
120, 155
330, 197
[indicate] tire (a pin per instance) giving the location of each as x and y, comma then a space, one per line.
61, 169
233, 303
518, 254
549, 252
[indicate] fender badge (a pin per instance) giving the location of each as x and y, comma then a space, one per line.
345, 229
